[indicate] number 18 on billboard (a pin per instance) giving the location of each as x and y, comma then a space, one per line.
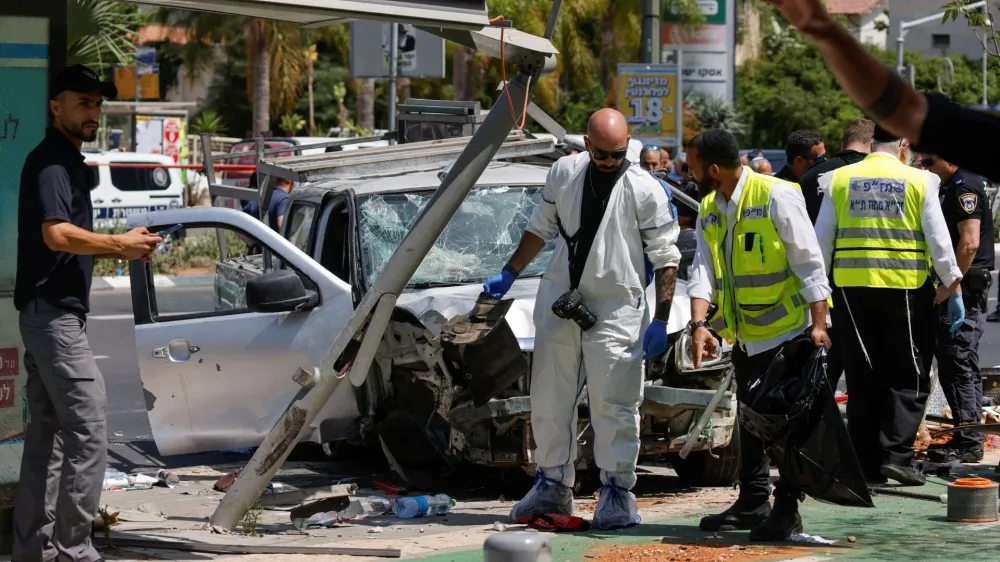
649, 98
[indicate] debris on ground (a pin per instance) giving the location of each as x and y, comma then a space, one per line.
375, 530
811, 539
499, 526
223, 483
694, 553
851, 539
326, 519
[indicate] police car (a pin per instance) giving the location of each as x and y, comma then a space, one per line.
122, 191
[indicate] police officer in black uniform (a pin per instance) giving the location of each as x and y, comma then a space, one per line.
967, 211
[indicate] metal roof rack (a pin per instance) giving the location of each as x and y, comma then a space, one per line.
384, 160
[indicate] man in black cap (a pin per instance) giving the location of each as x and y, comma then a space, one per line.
65, 445
755, 245
879, 222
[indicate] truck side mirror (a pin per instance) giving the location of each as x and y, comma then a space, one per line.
279, 291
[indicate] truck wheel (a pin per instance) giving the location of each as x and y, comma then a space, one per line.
700, 469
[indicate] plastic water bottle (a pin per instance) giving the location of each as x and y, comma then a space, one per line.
372, 506
422, 505
119, 269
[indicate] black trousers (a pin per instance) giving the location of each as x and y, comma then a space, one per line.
755, 467
958, 359
888, 385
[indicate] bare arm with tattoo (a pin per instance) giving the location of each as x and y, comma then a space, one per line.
666, 282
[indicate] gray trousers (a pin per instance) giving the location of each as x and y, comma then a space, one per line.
65, 445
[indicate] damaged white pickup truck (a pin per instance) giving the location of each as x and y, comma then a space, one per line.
449, 384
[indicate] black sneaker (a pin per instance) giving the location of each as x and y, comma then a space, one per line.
781, 524
737, 517
971, 455
904, 474
993, 316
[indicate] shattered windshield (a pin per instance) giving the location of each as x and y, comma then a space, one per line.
473, 247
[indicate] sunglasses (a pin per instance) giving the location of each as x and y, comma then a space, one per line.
650, 147
927, 162
599, 154
818, 159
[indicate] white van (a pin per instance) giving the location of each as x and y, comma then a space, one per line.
123, 191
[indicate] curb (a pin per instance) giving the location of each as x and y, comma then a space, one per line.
113, 283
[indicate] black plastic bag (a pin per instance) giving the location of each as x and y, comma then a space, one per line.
792, 409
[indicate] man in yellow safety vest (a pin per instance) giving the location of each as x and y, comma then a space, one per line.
880, 226
758, 261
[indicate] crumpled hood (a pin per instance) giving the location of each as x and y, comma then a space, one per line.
435, 306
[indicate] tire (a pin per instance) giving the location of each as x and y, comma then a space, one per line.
700, 469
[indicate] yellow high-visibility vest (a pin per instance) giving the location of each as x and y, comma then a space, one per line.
880, 240
765, 299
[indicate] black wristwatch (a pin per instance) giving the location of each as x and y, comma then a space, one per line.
692, 325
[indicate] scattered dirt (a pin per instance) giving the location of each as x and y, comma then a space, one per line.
695, 553
921, 445
642, 502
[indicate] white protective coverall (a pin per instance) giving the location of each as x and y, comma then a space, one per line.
608, 356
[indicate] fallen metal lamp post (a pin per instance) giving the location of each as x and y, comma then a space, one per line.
460, 179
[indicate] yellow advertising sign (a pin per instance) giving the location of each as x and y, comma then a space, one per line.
648, 97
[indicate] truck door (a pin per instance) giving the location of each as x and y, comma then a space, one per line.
216, 375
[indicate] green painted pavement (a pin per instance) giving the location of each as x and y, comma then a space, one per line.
895, 529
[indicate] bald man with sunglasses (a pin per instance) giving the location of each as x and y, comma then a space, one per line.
593, 326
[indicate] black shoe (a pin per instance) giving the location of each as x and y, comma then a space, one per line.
971, 455
993, 316
904, 474
737, 517
781, 524
933, 446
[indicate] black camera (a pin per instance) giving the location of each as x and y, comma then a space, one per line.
570, 307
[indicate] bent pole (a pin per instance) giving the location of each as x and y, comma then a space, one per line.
404, 262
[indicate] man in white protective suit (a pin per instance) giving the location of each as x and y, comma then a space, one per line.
592, 324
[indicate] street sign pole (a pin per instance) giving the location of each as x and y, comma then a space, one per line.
680, 101
393, 70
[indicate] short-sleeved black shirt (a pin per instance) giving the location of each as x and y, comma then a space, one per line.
55, 185
964, 197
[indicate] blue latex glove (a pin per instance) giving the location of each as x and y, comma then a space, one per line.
498, 285
956, 312
655, 341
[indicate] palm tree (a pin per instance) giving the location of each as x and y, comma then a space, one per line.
273, 49
101, 34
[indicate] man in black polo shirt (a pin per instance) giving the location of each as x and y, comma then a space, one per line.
966, 209
65, 445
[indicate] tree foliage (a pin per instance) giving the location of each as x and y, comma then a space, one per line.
791, 88
101, 34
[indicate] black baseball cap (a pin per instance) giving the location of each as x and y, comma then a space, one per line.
882, 135
78, 78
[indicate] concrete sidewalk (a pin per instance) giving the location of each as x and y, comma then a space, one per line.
896, 529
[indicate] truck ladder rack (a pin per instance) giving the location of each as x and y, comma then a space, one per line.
395, 159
